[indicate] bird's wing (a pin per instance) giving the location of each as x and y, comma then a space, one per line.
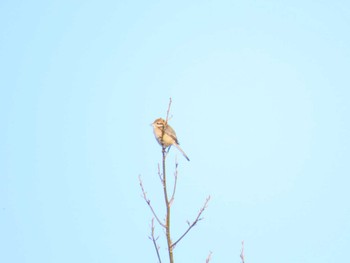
169, 131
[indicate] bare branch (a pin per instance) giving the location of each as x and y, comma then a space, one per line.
160, 174
209, 257
154, 240
198, 218
167, 113
175, 182
144, 194
242, 252
167, 205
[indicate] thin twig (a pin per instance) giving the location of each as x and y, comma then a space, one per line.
149, 203
209, 257
242, 252
198, 218
154, 240
160, 174
167, 113
175, 182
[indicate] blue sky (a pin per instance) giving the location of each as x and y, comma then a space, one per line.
260, 94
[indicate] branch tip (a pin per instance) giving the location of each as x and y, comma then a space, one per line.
209, 257
242, 252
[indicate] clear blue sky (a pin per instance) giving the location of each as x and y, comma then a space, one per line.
261, 94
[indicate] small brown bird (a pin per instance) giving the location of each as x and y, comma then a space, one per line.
166, 135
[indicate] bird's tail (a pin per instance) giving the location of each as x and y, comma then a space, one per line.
179, 148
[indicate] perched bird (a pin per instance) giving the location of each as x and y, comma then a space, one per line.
166, 135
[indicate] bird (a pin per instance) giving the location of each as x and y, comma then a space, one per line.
165, 135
